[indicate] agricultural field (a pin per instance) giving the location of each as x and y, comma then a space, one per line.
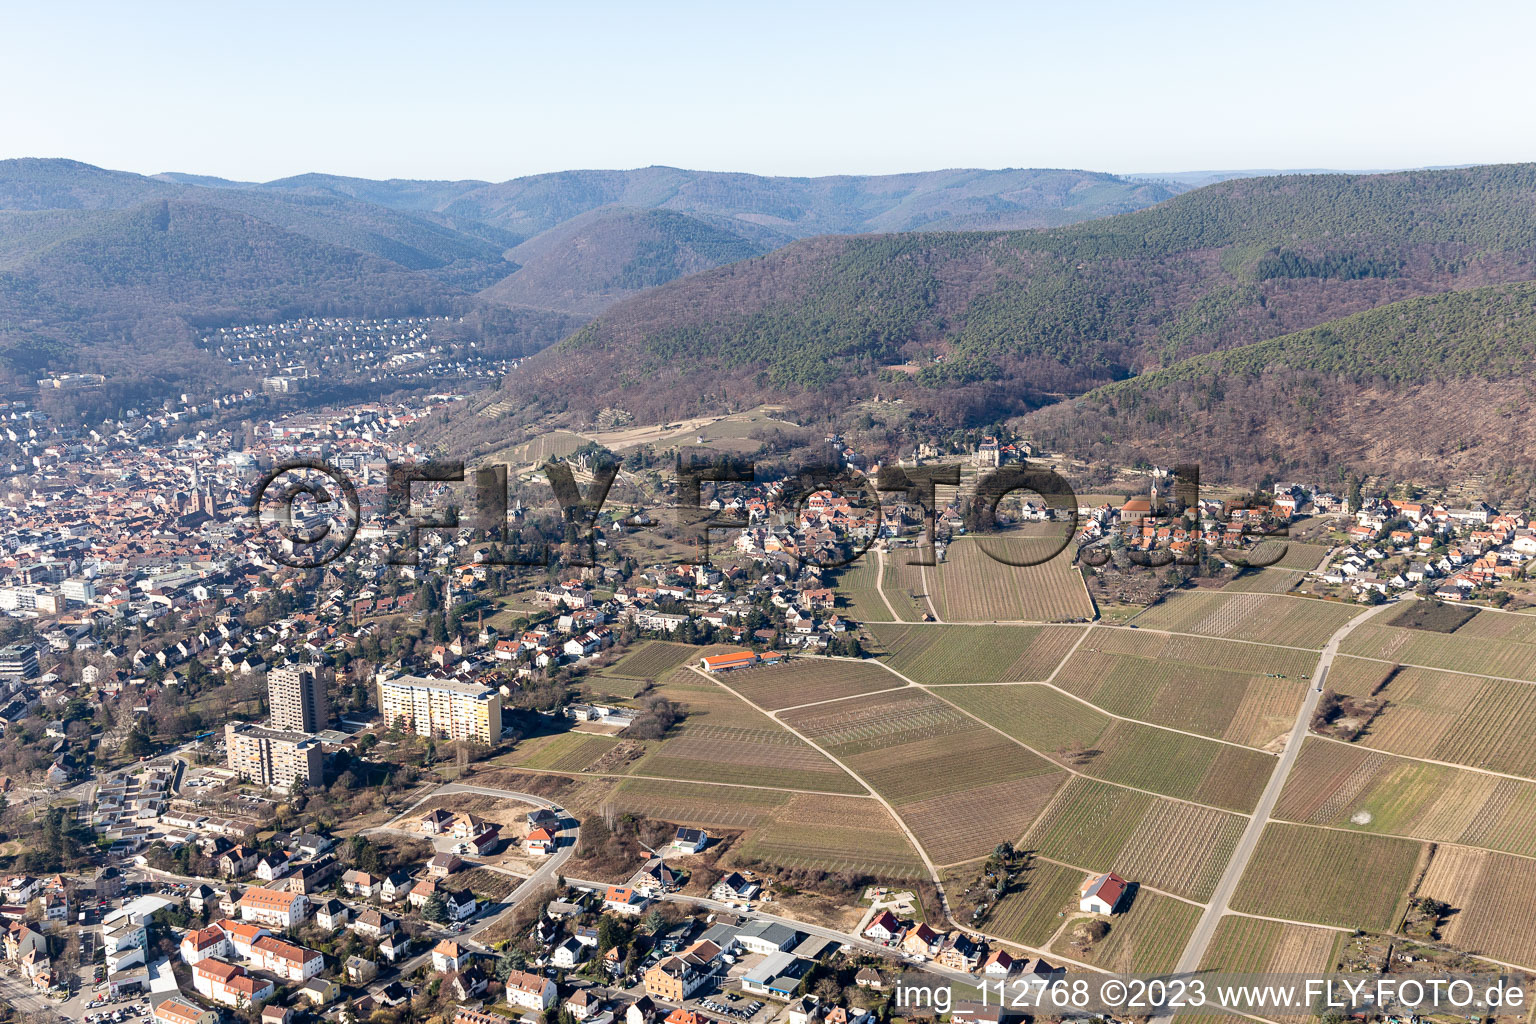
1447, 716
942, 655
567, 752
1358, 677
652, 659
805, 680
722, 739
1179, 848
1457, 652
1491, 625
1264, 581
961, 788
1334, 878
556, 444
1038, 716
1259, 618
1180, 766
1182, 682
1146, 938
833, 834
858, 590
1296, 556
1031, 915
902, 584
1171, 763
1248, 945
1494, 897
964, 825
493, 886
970, 585
698, 804
1349, 787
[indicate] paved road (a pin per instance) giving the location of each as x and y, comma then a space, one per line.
851, 941
544, 875
1194, 950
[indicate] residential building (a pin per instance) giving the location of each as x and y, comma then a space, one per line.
222, 982
277, 760
286, 960
296, 699
447, 956
690, 840
444, 708
203, 943
622, 899
319, 991
280, 910
676, 978
179, 1011
530, 991
18, 662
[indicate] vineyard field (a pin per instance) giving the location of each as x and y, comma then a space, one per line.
1354, 788
858, 589
1249, 945
971, 585
1252, 708
1447, 716
1180, 766
1494, 897
1332, 878
1031, 915
652, 660
940, 655
1176, 847
1258, 618
1146, 938
1459, 652
1036, 715
805, 680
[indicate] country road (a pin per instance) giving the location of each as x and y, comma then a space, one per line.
1200, 939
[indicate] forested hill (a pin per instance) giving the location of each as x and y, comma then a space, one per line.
974, 326
82, 288
1426, 389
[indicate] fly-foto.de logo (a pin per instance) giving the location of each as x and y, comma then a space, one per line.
308, 513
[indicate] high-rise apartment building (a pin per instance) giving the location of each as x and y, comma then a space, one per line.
296, 698
272, 758
444, 708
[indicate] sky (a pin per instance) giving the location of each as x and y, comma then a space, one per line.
498, 90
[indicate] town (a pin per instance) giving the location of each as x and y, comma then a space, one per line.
334, 792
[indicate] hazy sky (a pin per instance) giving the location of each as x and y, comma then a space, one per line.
486, 90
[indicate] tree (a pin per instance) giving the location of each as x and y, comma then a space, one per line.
654, 922
137, 743
513, 959
609, 934
435, 909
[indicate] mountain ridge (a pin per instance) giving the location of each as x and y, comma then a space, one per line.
653, 226
976, 327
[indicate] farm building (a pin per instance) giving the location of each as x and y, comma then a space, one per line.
1101, 894
727, 662
737, 659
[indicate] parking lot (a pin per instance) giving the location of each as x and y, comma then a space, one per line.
733, 1005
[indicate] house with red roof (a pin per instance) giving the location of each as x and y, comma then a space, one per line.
1101, 894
